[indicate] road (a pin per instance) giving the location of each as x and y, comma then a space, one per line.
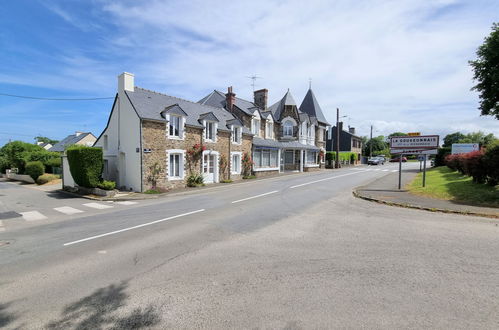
291, 252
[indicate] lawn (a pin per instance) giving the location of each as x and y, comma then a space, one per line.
443, 183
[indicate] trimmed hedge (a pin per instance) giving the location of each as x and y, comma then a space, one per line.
482, 166
344, 156
34, 169
86, 165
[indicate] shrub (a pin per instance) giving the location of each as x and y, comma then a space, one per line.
85, 165
107, 185
34, 169
52, 164
491, 159
247, 164
46, 178
440, 156
474, 166
195, 180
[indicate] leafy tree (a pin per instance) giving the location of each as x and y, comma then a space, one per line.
397, 134
379, 146
16, 153
486, 73
45, 140
449, 139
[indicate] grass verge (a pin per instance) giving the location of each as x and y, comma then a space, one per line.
443, 183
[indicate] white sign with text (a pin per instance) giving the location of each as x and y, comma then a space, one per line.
414, 142
462, 148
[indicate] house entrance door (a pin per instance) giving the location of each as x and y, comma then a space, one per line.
209, 163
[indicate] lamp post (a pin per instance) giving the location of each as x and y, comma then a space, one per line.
338, 137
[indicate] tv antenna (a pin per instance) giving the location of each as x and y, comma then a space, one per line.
253, 80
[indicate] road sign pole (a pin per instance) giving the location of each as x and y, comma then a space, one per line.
424, 172
400, 171
419, 158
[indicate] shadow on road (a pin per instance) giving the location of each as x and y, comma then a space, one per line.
6, 317
100, 310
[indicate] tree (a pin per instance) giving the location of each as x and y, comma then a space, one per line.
397, 134
44, 139
379, 146
486, 73
449, 139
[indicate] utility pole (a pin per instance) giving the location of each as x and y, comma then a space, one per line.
337, 138
371, 143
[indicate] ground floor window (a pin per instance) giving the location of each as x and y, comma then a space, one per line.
265, 158
312, 157
175, 164
235, 165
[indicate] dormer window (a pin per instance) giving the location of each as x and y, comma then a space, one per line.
255, 126
236, 134
209, 131
288, 128
175, 126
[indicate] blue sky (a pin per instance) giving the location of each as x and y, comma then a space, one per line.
399, 65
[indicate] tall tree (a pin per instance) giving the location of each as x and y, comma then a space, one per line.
397, 134
486, 73
45, 140
449, 139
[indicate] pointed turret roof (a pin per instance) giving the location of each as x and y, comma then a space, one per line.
278, 107
312, 107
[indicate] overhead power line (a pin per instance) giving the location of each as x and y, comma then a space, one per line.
57, 99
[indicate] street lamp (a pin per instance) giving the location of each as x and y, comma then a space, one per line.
338, 137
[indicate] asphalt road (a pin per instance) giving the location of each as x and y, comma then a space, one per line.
290, 252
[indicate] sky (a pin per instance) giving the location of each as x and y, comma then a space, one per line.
397, 65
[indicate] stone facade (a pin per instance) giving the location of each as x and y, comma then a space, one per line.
156, 141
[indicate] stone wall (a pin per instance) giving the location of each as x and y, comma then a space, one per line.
261, 174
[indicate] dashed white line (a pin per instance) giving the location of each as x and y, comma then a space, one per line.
126, 203
394, 170
67, 210
33, 216
312, 182
1, 226
245, 199
133, 227
385, 170
98, 206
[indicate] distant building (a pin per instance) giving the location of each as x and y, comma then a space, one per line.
349, 142
79, 138
44, 145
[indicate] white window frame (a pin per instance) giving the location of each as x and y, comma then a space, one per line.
205, 131
181, 127
181, 154
285, 127
239, 154
269, 129
256, 123
260, 167
237, 134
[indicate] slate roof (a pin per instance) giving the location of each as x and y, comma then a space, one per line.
278, 107
68, 141
218, 99
312, 107
150, 105
259, 142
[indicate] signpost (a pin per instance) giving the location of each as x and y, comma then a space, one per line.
414, 144
462, 148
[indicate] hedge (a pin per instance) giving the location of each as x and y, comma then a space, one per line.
86, 165
482, 166
344, 156
441, 154
34, 169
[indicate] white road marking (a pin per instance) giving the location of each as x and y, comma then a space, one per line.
33, 216
395, 170
98, 206
385, 170
245, 199
67, 210
130, 228
1, 226
126, 203
377, 169
312, 182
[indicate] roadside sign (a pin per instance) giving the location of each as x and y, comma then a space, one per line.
414, 142
462, 148
414, 151
414, 134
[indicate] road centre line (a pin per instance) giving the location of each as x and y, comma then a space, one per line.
133, 227
245, 199
334, 177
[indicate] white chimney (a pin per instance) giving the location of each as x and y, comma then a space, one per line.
126, 82
78, 133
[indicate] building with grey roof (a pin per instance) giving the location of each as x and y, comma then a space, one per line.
79, 138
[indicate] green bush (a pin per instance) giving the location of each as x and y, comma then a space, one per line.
195, 179
45, 178
86, 165
440, 156
107, 185
4, 164
52, 163
17, 153
34, 169
491, 159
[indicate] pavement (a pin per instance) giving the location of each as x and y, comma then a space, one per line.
294, 252
385, 190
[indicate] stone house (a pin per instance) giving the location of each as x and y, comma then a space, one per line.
150, 136
79, 138
286, 137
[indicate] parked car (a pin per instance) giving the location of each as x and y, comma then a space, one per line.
375, 161
397, 159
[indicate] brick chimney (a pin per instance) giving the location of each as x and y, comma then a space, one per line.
260, 98
230, 98
351, 130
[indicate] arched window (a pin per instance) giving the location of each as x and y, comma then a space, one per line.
288, 128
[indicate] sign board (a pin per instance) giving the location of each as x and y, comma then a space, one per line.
414, 151
462, 148
414, 142
414, 134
